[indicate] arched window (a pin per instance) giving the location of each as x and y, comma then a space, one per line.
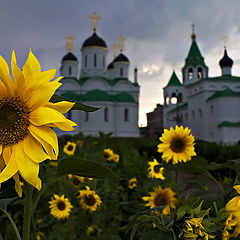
179, 98
126, 115
103, 60
212, 109
70, 71
86, 116
193, 115
199, 73
85, 61
95, 60
121, 72
190, 73
106, 114
200, 112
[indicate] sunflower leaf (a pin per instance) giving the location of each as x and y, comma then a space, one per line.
77, 105
83, 168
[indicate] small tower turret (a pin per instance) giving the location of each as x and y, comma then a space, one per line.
69, 67
226, 63
195, 67
94, 53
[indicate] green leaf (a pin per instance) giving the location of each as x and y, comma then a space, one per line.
83, 168
216, 166
6, 201
77, 105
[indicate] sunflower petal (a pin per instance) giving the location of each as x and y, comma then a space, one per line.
18, 185
61, 107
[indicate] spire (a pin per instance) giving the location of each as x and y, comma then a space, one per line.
174, 81
114, 50
193, 36
69, 44
121, 43
94, 20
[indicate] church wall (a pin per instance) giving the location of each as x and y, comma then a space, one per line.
96, 83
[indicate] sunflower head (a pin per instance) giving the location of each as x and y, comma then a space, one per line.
92, 231
132, 183
161, 197
89, 200
60, 207
69, 148
115, 158
26, 120
177, 145
108, 154
40, 236
155, 170
77, 180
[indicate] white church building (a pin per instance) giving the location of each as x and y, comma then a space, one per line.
92, 82
209, 106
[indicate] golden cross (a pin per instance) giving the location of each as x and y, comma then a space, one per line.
121, 43
69, 44
114, 50
193, 28
225, 41
94, 20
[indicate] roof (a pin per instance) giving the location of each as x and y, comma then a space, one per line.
100, 96
121, 58
226, 61
229, 124
224, 93
110, 66
94, 41
194, 56
69, 57
174, 81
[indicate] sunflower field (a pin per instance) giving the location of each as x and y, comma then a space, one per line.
104, 188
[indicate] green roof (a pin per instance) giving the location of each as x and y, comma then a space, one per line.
224, 93
174, 81
178, 107
194, 56
229, 124
101, 96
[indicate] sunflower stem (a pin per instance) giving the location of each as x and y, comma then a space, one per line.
27, 211
13, 223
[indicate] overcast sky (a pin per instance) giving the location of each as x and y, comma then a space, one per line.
157, 34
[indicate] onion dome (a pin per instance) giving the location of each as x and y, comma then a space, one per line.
94, 41
226, 61
110, 66
70, 57
121, 58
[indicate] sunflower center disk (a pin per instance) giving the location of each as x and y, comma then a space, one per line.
89, 200
177, 145
14, 121
61, 205
160, 200
156, 168
76, 181
70, 147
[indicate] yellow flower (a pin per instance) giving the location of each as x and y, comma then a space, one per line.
69, 148
162, 197
132, 183
155, 170
77, 180
60, 207
89, 200
108, 154
177, 145
234, 204
27, 118
115, 158
40, 236
193, 230
91, 230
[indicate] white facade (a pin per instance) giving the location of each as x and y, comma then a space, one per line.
209, 105
98, 86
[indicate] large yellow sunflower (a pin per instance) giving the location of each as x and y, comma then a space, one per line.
89, 200
177, 145
27, 118
161, 197
60, 207
155, 170
69, 148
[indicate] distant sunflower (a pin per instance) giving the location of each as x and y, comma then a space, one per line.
91, 230
115, 158
108, 154
69, 148
60, 207
155, 170
132, 183
177, 145
77, 180
27, 118
161, 197
40, 236
89, 200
